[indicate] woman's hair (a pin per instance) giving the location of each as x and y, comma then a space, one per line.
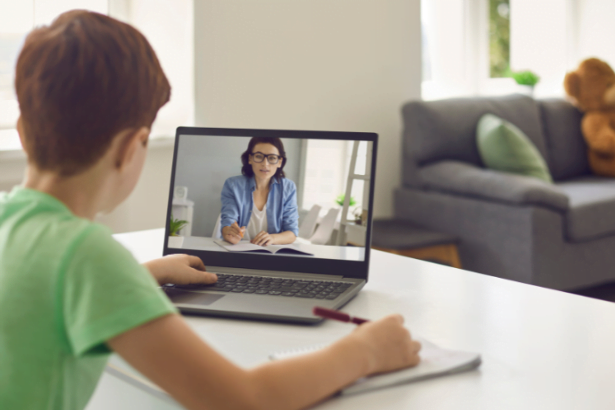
246, 169
81, 81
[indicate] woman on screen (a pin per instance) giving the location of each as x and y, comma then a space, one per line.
261, 204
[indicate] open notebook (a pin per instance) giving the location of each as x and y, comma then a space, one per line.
245, 246
435, 362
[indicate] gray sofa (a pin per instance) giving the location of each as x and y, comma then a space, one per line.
559, 235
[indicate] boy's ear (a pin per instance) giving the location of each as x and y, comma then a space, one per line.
20, 133
130, 142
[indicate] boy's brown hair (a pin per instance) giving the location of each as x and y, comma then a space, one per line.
81, 81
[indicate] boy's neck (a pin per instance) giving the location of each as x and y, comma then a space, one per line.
83, 193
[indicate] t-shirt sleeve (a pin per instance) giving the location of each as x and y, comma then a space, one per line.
105, 292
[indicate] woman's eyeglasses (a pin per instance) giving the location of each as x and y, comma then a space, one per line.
259, 157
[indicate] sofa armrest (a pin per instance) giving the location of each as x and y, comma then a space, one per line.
464, 179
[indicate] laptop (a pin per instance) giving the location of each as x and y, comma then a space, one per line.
326, 193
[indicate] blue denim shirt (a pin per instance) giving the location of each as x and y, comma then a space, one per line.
237, 204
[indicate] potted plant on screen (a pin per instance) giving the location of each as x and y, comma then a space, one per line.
340, 200
175, 225
527, 80
351, 203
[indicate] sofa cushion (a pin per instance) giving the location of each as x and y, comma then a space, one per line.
446, 129
460, 178
504, 147
567, 149
591, 212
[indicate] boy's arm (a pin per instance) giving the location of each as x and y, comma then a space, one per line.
170, 354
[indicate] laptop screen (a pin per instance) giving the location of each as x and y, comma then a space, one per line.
270, 199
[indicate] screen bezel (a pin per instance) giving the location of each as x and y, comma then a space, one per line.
351, 269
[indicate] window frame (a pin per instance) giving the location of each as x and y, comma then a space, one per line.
121, 10
477, 77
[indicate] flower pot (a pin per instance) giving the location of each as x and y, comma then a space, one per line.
175, 241
526, 90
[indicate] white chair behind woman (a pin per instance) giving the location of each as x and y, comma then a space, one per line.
217, 233
309, 222
325, 228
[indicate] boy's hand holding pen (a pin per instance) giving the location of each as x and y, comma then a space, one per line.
388, 342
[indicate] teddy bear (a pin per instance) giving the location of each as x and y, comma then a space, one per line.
592, 90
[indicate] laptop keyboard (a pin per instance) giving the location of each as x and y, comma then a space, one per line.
263, 285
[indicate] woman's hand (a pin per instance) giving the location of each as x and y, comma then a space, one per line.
180, 269
263, 239
233, 233
388, 344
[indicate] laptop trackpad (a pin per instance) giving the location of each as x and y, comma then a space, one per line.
193, 298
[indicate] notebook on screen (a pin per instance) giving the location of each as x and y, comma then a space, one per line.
301, 201
247, 246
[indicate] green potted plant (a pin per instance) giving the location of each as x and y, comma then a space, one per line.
356, 212
175, 225
526, 79
340, 200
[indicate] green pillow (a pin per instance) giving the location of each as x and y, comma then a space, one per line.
504, 147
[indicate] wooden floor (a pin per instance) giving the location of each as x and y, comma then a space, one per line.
444, 254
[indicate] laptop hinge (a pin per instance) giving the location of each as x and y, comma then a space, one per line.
259, 272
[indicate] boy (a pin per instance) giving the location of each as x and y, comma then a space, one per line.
89, 88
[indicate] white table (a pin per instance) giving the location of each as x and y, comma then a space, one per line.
349, 253
541, 349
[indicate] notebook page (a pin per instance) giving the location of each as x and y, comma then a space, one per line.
435, 362
242, 246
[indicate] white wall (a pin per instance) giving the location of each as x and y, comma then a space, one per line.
12, 169
145, 208
311, 64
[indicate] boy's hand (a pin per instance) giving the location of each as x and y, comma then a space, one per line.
388, 343
180, 270
233, 233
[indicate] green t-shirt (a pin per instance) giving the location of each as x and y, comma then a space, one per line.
66, 287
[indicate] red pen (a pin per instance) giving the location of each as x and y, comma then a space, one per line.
337, 315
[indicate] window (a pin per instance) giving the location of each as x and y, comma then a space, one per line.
470, 45
327, 164
324, 173
167, 24
499, 38
17, 18
445, 52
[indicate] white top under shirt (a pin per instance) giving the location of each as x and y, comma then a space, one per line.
258, 221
